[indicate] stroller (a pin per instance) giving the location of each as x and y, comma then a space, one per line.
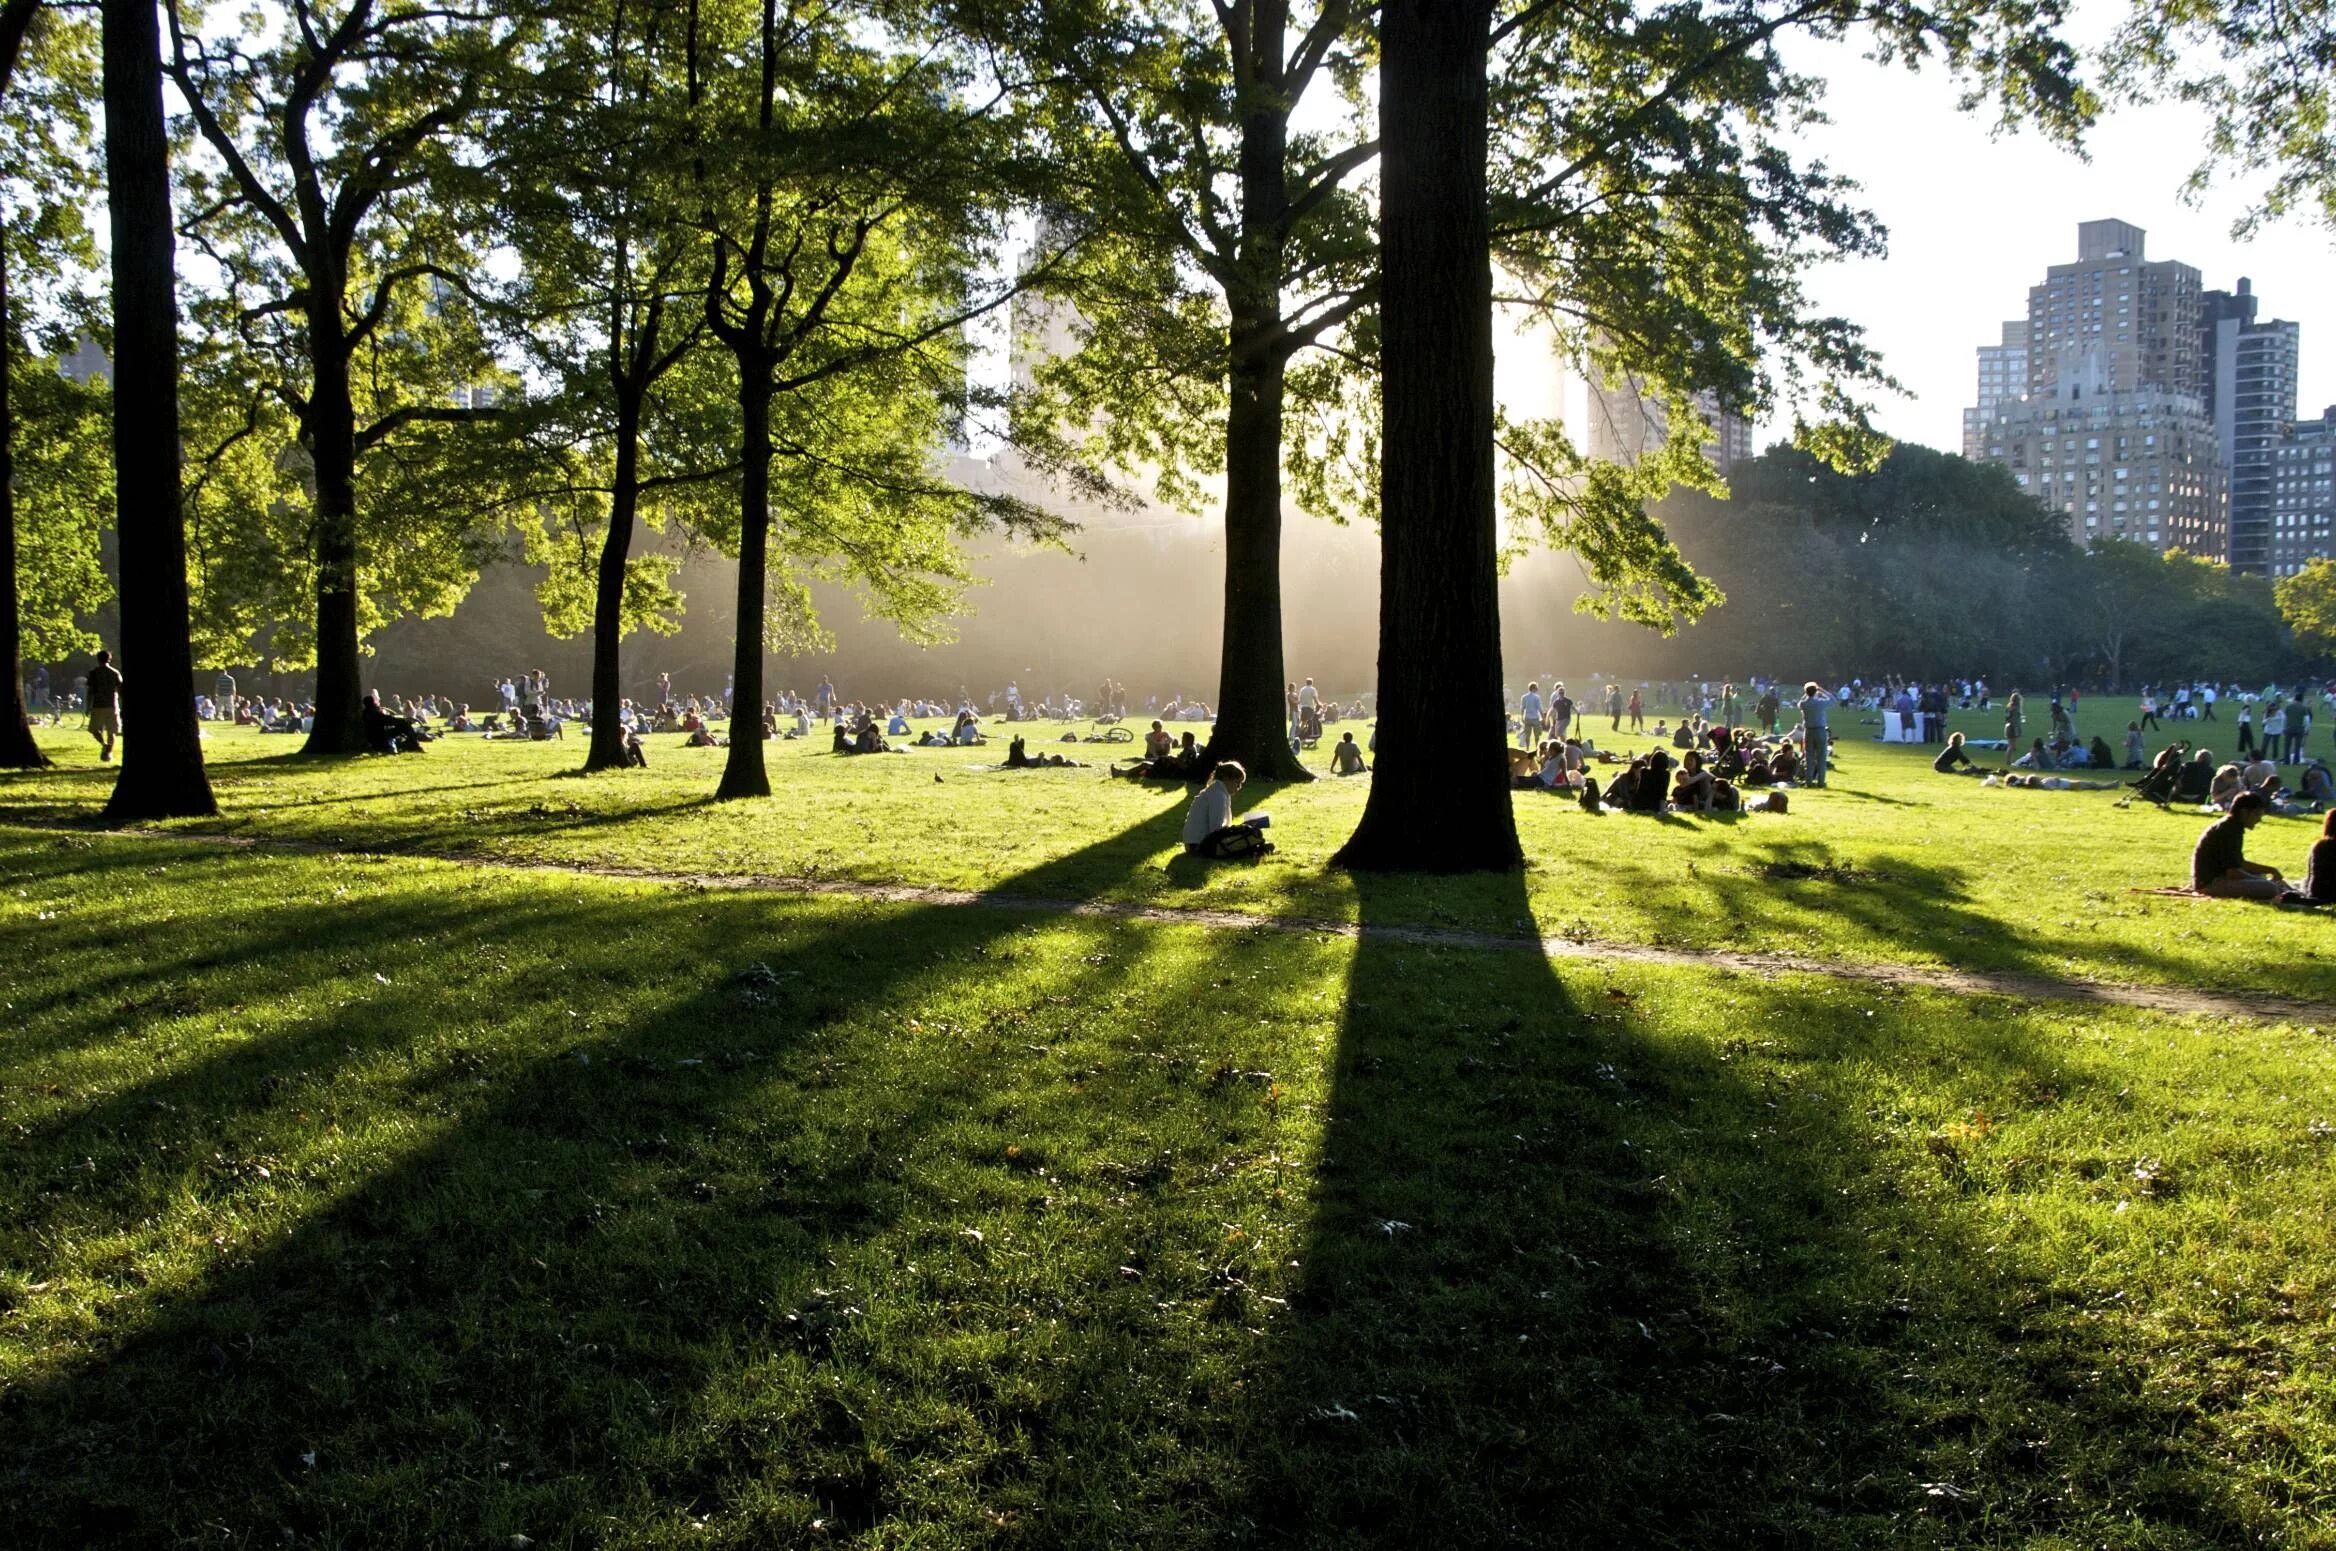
2169, 780
1309, 726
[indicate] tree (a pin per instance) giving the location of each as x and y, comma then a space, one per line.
162, 752
595, 178
2264, 71
851, 193
336, 211
1439, 614
2307, 602
44, 119
1236, 277
1638, 190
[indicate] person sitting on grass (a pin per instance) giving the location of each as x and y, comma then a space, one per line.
868, 740
2229, 783
1159, 743
2038, 757
1694, 786
2219, 866
1952, 758
1209, 829
635, 756
1346, 759
2098, 755
1784, 764
384, 733
705, 738
2320, 865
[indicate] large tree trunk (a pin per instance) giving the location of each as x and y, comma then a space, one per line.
608, 603
332, 449
162, 747
743, 773
1440, 791
18, 748
1253, 724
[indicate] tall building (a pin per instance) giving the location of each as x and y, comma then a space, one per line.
2250, 392
2303, 494
2003, 379
2115, 431
1626, 424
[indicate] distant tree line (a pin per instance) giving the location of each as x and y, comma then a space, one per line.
1931, 566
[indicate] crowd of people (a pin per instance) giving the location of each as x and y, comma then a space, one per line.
1716, 746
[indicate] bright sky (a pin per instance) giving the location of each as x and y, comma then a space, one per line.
1975, 220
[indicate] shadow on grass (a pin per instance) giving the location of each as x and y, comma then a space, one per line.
597, 1278
1585, 1271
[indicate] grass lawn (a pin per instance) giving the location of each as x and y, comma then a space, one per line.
377, 1200
1891, 864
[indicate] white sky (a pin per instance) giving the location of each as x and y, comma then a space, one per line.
1974, 220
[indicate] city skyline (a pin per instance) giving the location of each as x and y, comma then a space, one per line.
1975, 218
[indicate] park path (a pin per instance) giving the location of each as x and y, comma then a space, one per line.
2018, 985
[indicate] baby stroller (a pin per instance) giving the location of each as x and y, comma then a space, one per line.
1309, 726
2166, 782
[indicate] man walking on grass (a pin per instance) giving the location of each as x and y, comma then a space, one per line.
105, 701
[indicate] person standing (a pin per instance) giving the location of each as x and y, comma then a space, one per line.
2013, 721
1816, 737
1614, 705
2299, 727
1638, 712
1561, 712
2206, 703
105, 706
2247, 729
223, 694
1529, 711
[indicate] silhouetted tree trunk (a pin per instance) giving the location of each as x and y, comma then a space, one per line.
18, 749
330, 421
608, 602
162, 748
1439, 790
743, 772
1253, 724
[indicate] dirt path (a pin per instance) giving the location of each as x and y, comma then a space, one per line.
2018, 986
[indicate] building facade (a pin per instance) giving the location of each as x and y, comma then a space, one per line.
2003, 379
2115, 431
2303, 495
2250, 392
1626, 425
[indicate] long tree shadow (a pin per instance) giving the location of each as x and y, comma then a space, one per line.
596, 1275
1600, 1262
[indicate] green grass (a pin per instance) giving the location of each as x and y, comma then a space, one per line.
1891, 864
362, 1201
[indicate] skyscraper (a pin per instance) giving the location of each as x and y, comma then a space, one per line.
1626, 424
2303, 494
2003, 379
2115, 432
2250, 392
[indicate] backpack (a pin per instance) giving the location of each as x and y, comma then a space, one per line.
1590, 798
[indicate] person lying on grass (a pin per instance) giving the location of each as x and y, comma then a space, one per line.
2219, 866
1209, 829
1019, 757
2055, 783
